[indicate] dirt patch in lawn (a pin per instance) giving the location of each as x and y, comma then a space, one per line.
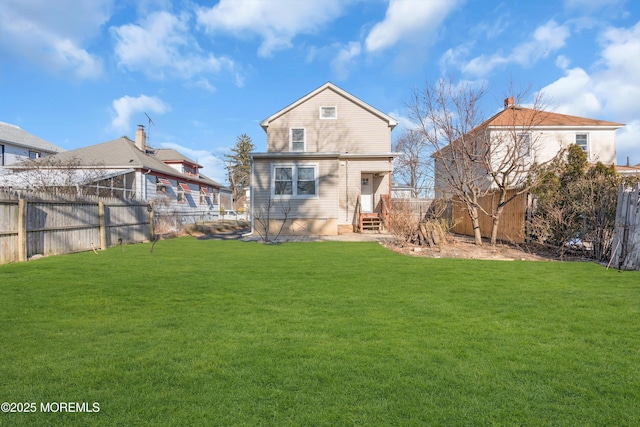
463, 247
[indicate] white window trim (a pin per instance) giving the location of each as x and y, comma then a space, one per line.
328, 118
588, 150
304, 141
520, 136
294, 178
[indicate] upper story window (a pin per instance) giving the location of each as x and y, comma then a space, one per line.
1, 155
524, 144
189, 170
328, 112
33, 154
297, 138
582, 142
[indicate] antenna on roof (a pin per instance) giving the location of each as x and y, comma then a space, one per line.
149, 127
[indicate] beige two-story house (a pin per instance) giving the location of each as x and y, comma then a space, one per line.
327, 168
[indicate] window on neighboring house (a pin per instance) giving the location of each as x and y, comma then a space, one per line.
1, 155
161, 185
582, 142
295, 181
297, 139
33, 154
524, 144
183, 189
328, 112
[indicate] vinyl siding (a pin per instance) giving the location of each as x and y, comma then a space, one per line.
324, 206
351, 171
355, 130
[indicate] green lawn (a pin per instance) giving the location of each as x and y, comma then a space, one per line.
231, 333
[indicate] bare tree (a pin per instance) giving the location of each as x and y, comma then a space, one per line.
447, 116
512, 151
472, 157
413, 167
263, 218
55, 176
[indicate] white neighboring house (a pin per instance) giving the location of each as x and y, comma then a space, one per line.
541, 133
18, 145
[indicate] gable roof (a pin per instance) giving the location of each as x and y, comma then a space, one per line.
173, 156
514, 115
13, 134
330, 86
120, 153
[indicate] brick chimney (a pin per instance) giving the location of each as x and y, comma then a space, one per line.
509, 102
141, 139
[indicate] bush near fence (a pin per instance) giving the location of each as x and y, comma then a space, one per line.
45, 224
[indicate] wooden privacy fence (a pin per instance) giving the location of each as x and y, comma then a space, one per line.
625, 253
52, 227
512, 222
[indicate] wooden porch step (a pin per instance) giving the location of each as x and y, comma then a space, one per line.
370, 222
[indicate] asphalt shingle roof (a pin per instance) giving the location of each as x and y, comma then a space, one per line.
120, 153
13, 134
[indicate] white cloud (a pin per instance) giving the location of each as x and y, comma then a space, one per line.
573, 94
161, 46
45, 32
408, 20
628, 143
611, 91
404, 123
345, 59
277, 23
127, 106
546, 39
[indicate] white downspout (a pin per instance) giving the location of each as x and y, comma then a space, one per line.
252, 196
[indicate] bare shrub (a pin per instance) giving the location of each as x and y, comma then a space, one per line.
263, 218
166, 219
403, 222
431, 230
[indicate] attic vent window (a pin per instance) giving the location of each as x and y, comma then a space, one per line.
328, 113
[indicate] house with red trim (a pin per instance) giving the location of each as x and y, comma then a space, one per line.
122, 168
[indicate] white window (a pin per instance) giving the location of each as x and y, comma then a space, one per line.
33, 154
328, 112
297, 137
1, 155
295, 181
582, 142
524, 144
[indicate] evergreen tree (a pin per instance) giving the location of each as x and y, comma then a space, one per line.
239, 168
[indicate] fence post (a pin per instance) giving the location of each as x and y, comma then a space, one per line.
103, 229
152, 230
22, 230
